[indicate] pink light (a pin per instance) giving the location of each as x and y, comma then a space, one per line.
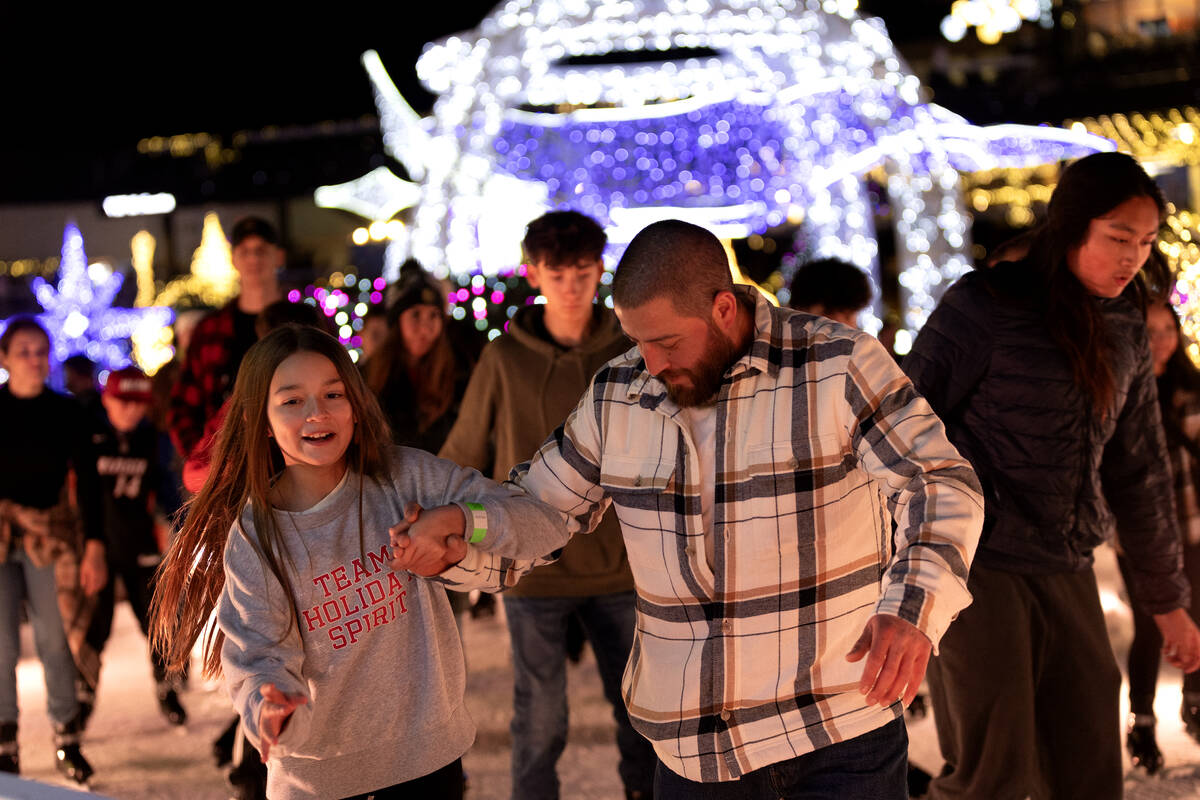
380, 283
476, 290
452, 297
376, 297
497, 297
329, 311
463, 294
356, 341
480, 314
294, 296
320, 294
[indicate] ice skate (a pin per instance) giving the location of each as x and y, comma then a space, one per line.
172, 709
68, 758
8, 748
1142, 745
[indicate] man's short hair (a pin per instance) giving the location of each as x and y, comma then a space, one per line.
677, 260
246, 227
562, 239
832, 284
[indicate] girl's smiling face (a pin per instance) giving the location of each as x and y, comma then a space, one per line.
308, 411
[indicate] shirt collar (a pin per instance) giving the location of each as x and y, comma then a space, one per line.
757, 358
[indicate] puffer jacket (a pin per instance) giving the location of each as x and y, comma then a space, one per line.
1058, 478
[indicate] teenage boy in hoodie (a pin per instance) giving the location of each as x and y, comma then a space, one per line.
525, 385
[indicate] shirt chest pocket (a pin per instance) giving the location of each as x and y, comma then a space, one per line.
626, 478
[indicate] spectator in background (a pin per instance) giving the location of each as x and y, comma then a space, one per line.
374, 332
131, 479
417, 375
223, 337
40, 566
526, 384
1178, 383
831, 288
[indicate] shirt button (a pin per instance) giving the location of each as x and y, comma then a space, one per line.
725, 716
794, 463
637, 481
726, 625
691, 549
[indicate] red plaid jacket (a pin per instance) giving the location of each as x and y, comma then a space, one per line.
206, 379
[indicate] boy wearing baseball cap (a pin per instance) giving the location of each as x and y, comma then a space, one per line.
130, 472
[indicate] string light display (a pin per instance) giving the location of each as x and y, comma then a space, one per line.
1170, 137
211, 280
78, 311
991, 19
737, 114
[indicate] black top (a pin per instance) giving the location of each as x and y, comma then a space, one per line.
1058, 478
46, 435
130, 478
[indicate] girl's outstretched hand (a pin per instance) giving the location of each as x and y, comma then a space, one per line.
428, 541
273, 717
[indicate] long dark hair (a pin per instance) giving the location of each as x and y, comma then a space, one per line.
245, 466
1089, 188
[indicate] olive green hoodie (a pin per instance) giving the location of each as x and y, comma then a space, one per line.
523, 388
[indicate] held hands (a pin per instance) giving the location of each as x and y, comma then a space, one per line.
274, 715
1181, 639
897, 655
93, 568
428, 541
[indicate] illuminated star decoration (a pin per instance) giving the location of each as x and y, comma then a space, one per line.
79, 314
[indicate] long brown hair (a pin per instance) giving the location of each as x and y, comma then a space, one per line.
1089, 188
432, 375
246, 463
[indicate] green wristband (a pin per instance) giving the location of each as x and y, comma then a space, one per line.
478, 523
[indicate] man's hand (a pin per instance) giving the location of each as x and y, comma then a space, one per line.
428, 542
274, 715
1181, 640
897, 655
93, 568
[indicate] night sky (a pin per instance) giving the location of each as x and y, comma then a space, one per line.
75, 89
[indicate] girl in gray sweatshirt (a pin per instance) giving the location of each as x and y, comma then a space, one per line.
347, 675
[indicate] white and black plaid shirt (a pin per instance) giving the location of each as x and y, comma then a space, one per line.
819, 436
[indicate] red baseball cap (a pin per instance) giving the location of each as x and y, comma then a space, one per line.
128, 383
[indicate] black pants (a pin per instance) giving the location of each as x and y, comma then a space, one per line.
444, 784
1025, 692
139, 586
1146, 650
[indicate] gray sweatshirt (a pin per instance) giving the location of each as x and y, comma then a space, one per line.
375, 651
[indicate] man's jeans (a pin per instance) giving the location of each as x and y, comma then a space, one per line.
873, 766
22, 582
538, 629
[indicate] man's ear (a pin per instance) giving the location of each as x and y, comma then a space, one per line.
724, 310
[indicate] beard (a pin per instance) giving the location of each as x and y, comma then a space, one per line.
706, 376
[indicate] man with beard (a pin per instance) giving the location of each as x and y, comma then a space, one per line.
756, 458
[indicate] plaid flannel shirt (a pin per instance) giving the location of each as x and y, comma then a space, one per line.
206, 380
819, 437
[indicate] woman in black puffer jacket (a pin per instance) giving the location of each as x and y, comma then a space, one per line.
1041, 371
